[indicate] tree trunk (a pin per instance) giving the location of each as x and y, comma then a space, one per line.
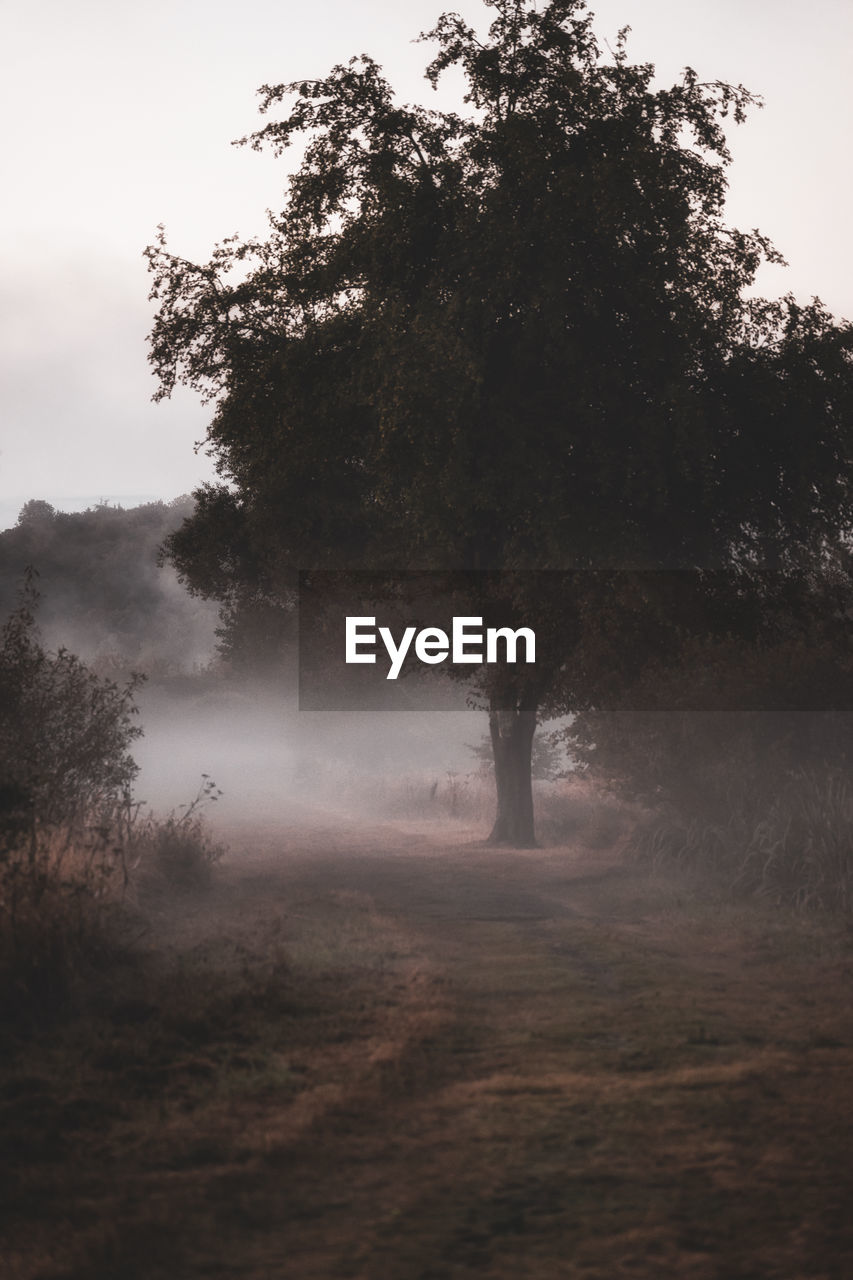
512, 733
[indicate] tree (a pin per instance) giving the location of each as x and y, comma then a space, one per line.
36, 511
102, 591
65, 736
510, 339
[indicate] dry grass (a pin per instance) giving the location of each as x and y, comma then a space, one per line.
60, 906
178, 852
569, 809
792, 847
374, 1054
69, 899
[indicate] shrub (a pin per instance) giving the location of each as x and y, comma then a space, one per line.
759, 798
58, 918
178, 851
65, 733
65, 783
793, 848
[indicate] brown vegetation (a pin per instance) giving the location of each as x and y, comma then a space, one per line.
396, 1053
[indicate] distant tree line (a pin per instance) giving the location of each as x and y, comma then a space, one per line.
103, 592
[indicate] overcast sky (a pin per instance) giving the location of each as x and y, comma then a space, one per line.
118, 116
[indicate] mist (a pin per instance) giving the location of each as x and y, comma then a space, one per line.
272, 760
106, 595
349, 1013
310, 967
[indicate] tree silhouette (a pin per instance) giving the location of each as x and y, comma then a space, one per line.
513, 338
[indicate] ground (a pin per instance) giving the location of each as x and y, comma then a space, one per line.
392, 1053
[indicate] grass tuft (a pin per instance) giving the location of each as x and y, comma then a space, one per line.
794, 848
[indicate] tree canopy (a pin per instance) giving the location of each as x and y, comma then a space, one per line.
514, 337
103, 594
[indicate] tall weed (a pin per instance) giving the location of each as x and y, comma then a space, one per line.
793, 847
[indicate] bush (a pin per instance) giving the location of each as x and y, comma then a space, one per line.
57, 926
71, 837
759, 798
176, 852
65, 784
793, 848
65, 733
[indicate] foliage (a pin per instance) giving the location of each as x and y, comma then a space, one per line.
745, 769
60, 908
178, 851
65, 733
513, 338
104, 595
65, 780
71, 837
792, 845
36, 512
766, 691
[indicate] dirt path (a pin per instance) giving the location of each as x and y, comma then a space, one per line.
393, 1054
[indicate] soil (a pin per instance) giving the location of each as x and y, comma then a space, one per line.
392, 1053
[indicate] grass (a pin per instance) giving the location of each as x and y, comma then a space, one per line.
567, 810
792, 846
416, 1059
69, 899
178, 852
60, 912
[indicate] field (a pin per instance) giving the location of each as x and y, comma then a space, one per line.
392, 1053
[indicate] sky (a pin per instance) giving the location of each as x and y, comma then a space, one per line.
119, 116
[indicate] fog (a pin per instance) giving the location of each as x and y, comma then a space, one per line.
269, 758
102, 593
171, 631
103, 596
336, 1020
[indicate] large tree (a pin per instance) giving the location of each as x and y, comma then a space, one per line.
512, 338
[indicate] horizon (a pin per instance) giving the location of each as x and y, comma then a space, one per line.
75, 504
